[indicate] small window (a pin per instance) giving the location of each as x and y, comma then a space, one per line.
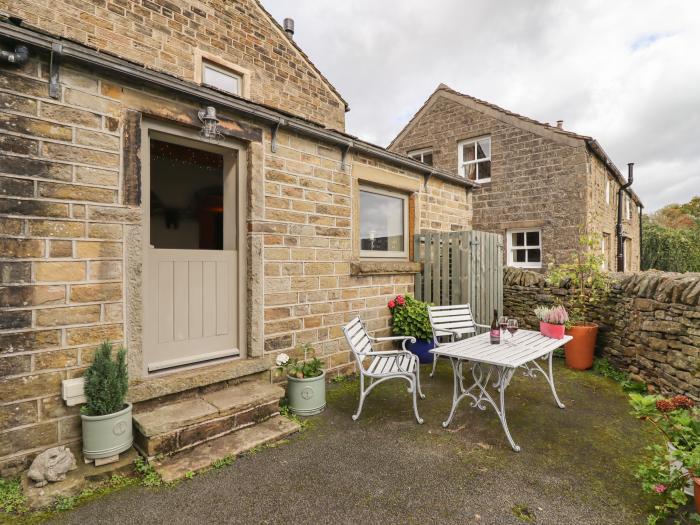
607, 191
423, 155
383, 223
628, 208
525, 248
474, 159
221, 78
605, 248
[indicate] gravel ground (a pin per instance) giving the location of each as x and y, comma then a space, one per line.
575, 467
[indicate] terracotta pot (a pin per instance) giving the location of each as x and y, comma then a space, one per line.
696, 483
579, 351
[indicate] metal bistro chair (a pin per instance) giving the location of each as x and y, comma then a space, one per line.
380, 366
451, 321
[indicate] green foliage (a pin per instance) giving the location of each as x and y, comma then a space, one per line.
523, 513
410, 317
585, 277
106, 382
670, 249
11, 497
678, 421
605, 368
149, 476
305, 368
223, 462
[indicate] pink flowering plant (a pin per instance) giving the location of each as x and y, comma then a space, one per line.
677, 419
410, 317
554, 315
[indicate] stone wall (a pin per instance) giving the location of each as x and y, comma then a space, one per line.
71, 239
649, 324
541, 178
170, 36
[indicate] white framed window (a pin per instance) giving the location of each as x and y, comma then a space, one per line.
524, 248
607, 191
474, 159
221, 78
423, 155
628, 207
383, 223
605, 248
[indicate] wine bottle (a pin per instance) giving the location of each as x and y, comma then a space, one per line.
495, 329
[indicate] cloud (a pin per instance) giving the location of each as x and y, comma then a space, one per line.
626, 72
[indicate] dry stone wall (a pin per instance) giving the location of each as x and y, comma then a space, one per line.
649, 324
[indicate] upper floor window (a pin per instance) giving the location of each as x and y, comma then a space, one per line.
607, 190
524, 248
383, 223
605, 248
221, 78
628, 208
422, 155
474, 159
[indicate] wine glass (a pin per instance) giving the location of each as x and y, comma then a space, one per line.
512, 327
503, 323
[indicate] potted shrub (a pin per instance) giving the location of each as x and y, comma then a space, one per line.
306, 382
672, 471
106, 417
410, 318
552, 321
588, 285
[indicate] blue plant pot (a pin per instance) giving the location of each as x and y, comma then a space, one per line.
422, 349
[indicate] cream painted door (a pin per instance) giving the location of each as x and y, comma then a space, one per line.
191, 310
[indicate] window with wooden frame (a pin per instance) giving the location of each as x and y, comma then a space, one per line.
605, 248
628, 207
222, 78
384, 228
474, 159
524, 248
607, 190
423, 155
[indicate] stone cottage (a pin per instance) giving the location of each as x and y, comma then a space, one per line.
537, 184
175, 176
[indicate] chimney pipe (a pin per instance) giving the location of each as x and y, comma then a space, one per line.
288, 25
560, 124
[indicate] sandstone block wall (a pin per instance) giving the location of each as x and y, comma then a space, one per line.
166, 35
649, 324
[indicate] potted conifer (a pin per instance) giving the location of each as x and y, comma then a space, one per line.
588, 285
106, 416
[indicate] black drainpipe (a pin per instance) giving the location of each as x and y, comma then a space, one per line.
618, 227
17, 57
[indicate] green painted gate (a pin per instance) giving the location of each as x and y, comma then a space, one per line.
461, 267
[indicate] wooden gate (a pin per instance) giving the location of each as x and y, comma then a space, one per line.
461, 267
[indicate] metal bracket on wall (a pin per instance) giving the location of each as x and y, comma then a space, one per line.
344, 153
425, 182
273, 141
54, 86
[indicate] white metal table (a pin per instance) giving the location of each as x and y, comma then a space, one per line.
521, 351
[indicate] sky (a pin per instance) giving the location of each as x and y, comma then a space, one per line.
624, 72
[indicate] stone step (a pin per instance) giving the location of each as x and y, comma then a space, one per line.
229, 445
179, 425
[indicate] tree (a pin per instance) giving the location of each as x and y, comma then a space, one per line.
671, 238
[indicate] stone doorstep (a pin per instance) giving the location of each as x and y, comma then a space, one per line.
76, 480
199, 458
231, 400
176, 382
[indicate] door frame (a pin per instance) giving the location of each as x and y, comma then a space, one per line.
232, 150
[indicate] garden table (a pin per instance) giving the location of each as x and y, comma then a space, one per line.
521, 351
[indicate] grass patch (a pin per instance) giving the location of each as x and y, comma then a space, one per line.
523, 513
11, 498
605, 368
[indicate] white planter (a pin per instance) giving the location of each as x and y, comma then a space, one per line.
677, 465
106, 436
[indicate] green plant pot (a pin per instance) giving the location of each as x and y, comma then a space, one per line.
105, 436
307, 396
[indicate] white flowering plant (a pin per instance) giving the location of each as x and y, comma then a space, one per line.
553, 315
305, 368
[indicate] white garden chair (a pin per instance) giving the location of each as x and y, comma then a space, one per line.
451, 322
380, 366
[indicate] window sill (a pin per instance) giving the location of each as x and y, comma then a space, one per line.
384, 268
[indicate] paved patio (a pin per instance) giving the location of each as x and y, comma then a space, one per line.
576, 465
